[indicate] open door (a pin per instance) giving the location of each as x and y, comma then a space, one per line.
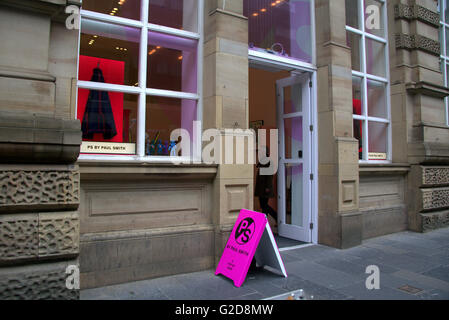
294, 175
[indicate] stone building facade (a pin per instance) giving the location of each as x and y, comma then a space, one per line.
126, 218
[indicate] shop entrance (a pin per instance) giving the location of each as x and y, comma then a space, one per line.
281, 99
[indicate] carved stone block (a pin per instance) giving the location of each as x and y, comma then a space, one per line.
25, 237
58, 234
417, 42
23, 190
18, 237
435, 176
435, 198
416, 12
37, 282
435, 220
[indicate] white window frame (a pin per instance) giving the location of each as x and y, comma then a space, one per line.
142, 91
287, 62
364, 85
444, 56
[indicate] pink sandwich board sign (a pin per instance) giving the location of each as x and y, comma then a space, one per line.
250, 237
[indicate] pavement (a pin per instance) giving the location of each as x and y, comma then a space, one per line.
413, 266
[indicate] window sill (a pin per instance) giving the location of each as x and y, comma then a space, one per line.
102, 170
384, 168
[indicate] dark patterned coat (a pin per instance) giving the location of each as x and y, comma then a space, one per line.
98, 116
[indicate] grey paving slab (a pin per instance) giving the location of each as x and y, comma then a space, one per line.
349, 267
434, 294
322, 275
360, 291
286, 257
413, 259
251, 296
319, 292
313, 253
424, 280
395, 282
266, 288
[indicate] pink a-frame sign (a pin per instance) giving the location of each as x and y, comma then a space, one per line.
251, 236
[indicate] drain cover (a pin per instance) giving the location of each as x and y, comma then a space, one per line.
410, 289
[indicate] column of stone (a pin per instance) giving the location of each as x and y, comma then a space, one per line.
39, 181
420, 134
339, 223
226, 107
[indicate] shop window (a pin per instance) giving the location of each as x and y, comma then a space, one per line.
172, 63
118, 8
163, 116
179, 14
443, 7
370, 82
280, 27
138, 77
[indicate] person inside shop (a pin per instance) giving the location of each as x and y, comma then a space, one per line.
264, 188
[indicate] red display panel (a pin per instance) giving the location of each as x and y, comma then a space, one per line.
113, 72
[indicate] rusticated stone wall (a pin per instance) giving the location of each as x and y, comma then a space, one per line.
421, 136
35, 238
39, 146
43, 282
431, 199
39, 189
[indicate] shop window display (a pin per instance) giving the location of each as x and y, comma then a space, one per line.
130, 99
370, 81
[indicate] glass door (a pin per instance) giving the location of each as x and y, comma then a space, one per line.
294, 179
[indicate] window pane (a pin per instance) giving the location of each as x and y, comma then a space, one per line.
446, 78
280, 27
357, 96
172, 63
446, 12
441, 39
354, 42
357, 109
377, 101
294, 195
293, 138
114, 49
179, 14
162, 117
375, 58
358, 127
374, 18
120, 8
109, 118
293, 98
447, 42
352, 13
378, 133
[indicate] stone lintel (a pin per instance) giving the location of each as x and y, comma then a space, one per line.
416, 12
37, 139
417, 42
427, 88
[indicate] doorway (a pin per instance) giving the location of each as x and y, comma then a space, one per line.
282, 99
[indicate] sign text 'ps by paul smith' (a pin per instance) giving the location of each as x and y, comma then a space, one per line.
250, 237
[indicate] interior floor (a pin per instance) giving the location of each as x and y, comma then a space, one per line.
286, 243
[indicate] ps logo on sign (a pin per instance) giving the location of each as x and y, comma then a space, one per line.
245, 231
